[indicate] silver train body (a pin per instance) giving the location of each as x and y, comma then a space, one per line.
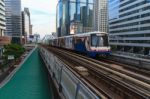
93, 43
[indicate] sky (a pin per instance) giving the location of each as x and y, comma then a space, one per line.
43, 15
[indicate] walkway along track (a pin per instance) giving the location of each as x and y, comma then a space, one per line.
28, 80
126, 85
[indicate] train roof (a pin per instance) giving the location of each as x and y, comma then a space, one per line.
84, 34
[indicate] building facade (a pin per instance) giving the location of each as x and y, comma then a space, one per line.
100, 16
2, 26
31, 27
129, 26
13, 20
74, 16
2, 18
26, 25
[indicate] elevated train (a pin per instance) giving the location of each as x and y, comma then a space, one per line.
92, 44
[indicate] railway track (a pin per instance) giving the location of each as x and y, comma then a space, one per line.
126, 84
121, 68
126, 66
134, 72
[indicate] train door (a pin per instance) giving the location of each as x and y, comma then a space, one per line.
63, 42
59, 42
87, 43
80, 44
68, 42
71, 42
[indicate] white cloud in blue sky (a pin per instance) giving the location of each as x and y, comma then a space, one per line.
43, 15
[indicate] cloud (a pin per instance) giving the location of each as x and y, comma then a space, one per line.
43, 15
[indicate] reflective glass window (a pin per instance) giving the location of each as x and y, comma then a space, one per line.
82, 1
114, 9
90, 1
72, 10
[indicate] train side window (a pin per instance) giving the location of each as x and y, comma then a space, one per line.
78, 40
106, 42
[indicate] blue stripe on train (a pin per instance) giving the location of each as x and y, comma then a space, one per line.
93, 54
80, 47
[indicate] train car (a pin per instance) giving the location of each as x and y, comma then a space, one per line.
92, 44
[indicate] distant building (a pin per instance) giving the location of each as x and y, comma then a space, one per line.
100, 15
46, 38
74, 16
31, 39
54, 34
26, 25
36, 38
129, 26
13, 20
31, 31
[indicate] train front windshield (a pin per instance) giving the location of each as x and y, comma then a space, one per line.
99, 40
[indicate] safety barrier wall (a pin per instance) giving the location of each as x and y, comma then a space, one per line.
137, 62
69, 85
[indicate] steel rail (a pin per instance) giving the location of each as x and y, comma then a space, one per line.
96, 67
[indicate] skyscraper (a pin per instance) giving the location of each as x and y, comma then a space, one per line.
26, 24
13, 20
129, 26
31, 27
2, 18
2, 26
74, 16
100, 15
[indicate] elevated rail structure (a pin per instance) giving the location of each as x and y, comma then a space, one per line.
101, 79
68, 83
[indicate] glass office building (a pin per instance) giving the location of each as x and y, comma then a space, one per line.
129, 26
74, 16
13, 20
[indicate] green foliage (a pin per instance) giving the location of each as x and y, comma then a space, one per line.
13, 49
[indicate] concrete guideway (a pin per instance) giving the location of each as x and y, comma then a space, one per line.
29, 82
69, 84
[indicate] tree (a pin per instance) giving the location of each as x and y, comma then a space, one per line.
13, 49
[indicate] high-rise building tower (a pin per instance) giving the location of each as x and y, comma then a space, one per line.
3, 40
26, 24
129, 26
2, 18
100, 15
31, 31
13, 20
74, 16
